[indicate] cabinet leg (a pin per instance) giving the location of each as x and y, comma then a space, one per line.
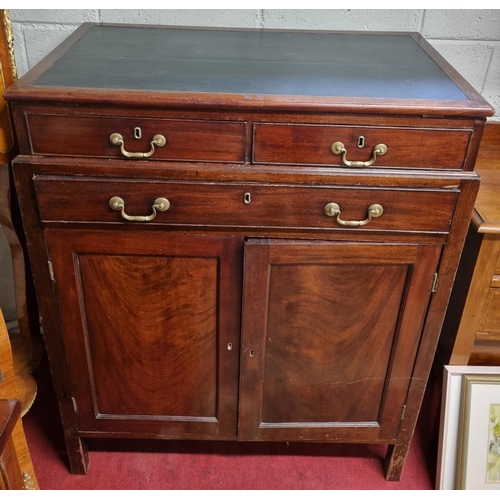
395, 461
78, 455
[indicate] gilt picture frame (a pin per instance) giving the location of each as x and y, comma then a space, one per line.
469, 449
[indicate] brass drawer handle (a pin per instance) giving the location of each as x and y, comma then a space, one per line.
117, 140
160, 204
333, 209
339, 148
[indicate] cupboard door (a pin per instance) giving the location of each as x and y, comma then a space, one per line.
329, 336
151, 326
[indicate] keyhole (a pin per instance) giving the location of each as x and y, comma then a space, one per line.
247, 198
251, 354
361, 142
137, 132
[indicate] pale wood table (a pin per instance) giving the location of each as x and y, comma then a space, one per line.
19, 452
474, 312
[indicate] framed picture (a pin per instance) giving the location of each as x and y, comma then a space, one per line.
469, 441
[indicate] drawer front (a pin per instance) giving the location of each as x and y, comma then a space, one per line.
245, 205
300, 144
186, 140
497, 268
490, 316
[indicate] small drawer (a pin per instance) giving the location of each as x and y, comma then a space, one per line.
245, 205
185, 140
490, 316
300, 144
497, 268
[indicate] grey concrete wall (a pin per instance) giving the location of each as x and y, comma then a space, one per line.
468, 39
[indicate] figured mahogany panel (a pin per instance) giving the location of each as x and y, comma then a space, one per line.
332, 349
152, 333
247, 205
192, 140
147, 322
330, 334
296, 144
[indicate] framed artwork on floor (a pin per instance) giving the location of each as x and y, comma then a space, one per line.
469, 441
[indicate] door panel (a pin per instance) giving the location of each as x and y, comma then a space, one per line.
158, 319
329, 341
151, 318
334, 343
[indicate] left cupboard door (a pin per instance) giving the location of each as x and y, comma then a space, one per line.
151, 328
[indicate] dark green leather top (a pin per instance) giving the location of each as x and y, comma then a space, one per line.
251, 62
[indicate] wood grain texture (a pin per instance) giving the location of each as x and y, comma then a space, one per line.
187, 140
18, 450
211, 204
487, 206
450, 341
152, 333
485, 353
311, 145
10, 469
319, 315
432, 326
490, 321
76, 448
472, 319
25, 111
144, 334
324, 322
27, 353
300, 266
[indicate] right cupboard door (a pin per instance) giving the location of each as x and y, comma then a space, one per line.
329, 337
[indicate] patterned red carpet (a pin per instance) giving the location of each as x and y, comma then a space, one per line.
176, 465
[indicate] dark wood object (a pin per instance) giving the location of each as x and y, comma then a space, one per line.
16, 468
251, 281
471, 333
26, 345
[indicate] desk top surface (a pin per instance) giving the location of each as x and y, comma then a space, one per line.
250, 64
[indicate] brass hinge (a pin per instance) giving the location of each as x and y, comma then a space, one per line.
51, 270
435, 283
75, 408
403, 412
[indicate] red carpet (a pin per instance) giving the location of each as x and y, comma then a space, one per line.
176, 465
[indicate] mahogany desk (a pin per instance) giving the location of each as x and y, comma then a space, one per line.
241, 234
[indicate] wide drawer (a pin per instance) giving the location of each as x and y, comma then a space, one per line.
186, 140
308, 144
244, 205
